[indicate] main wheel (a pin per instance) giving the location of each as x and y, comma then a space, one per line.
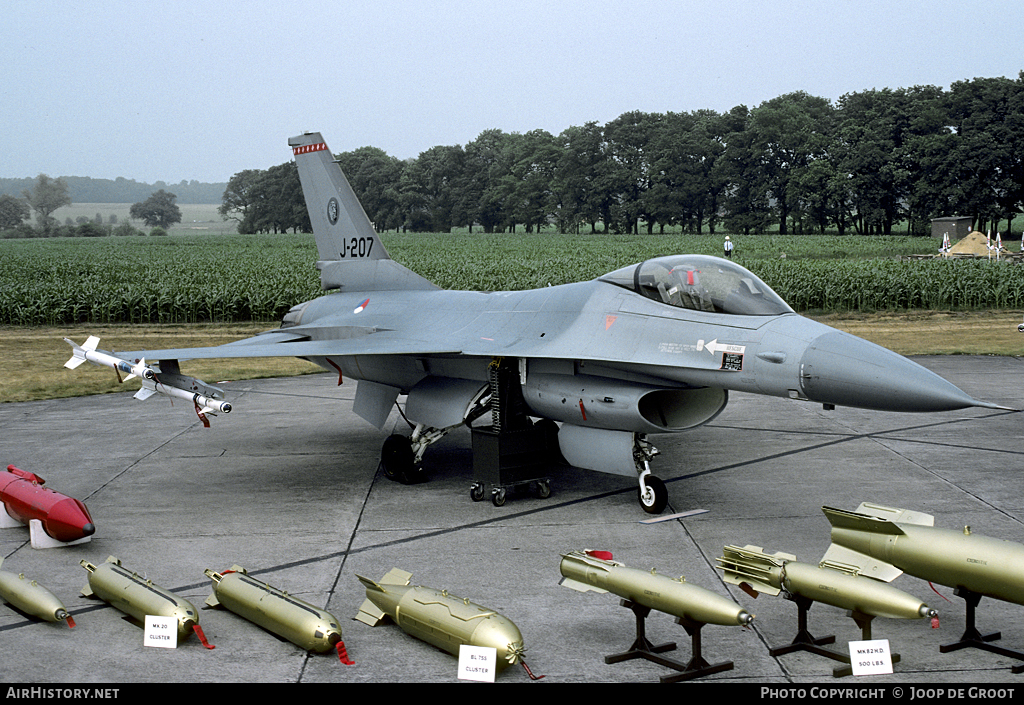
396, 459
655, 499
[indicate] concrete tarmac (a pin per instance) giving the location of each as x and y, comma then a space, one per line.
287, 486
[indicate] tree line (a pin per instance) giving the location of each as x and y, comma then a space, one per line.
85, 189
47, 195
873, 161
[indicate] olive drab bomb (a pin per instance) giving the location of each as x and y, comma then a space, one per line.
301, 623
137, 597
439, 618
585, 572
773, 573
32, 598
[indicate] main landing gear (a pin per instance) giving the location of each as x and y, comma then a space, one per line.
401, 458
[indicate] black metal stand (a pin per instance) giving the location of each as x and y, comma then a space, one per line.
642, 648
975, 639
805, 642
864, 622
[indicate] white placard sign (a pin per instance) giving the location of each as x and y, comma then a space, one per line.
870, 658
161, 632
477, 663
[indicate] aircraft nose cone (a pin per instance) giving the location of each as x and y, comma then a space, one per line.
842, 369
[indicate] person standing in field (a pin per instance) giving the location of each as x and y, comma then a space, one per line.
728, 247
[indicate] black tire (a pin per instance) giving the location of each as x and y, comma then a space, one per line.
498, 497
396, 459
476, 492
657, 497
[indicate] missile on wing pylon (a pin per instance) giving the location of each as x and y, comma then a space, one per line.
168, 381
643, 591
585, 572
62, 518
773, 573
137, 597
88, 351
439, 618
884, 542
285, 615
31, 598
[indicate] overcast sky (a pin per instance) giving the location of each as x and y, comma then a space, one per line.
181, 90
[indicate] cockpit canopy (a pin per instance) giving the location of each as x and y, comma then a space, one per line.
700, 283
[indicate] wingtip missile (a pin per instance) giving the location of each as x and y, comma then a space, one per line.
90, 352
168, 381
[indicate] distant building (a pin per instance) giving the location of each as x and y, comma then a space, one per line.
956, 227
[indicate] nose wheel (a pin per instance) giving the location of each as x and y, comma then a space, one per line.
652, 493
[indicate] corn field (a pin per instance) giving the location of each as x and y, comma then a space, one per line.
230, 278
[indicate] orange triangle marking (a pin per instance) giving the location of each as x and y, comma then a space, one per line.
608, 321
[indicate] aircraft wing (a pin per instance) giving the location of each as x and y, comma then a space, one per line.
282, 344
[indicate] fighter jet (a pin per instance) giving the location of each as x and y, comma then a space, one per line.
651, 348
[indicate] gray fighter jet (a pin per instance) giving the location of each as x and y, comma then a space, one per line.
650, 348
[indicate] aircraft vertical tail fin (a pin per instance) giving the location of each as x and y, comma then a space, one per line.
340, 225
351, 254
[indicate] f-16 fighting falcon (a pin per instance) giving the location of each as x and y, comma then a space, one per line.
594, 366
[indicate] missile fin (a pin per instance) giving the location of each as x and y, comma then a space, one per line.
144, 393
396, 576
874, 521
77, 355
857, 521
751, 566
896, 515
855, 563
578, 586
